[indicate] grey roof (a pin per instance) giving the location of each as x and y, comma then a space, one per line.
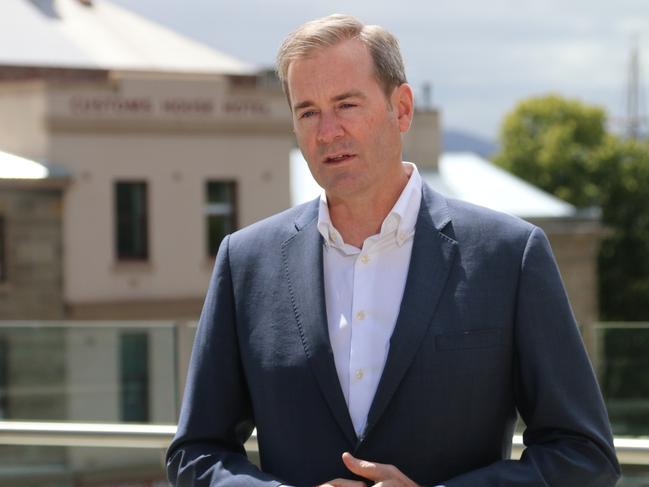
464, 176
16, 167
66, 33
471, 178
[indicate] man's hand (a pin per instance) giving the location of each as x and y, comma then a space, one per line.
381, 474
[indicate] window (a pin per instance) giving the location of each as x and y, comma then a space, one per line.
220, 212
3, 257
134, 377
131, 222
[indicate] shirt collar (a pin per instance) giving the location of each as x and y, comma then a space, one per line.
400, 221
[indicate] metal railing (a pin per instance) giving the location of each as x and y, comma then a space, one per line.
631, 451
86, 434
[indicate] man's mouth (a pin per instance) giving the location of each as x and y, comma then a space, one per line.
338, 158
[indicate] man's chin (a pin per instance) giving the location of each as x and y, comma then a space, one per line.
344, 187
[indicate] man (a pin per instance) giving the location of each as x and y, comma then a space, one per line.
383, 334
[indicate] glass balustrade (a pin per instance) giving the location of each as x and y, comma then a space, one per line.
89, 372
623, 372
117, 374
50, 466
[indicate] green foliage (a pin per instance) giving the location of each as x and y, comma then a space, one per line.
624, 255
562, 146
549, 141
624, 379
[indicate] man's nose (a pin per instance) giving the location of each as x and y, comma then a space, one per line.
329, 128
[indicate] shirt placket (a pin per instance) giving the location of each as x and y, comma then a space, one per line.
361, 367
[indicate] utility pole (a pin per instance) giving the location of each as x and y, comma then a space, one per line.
427, 96
635, 116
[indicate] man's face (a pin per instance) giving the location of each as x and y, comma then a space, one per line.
348, 131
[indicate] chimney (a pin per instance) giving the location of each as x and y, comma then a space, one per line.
422, 143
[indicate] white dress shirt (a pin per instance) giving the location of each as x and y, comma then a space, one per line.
363, 291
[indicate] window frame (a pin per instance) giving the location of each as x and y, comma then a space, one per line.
209, 212
142, 220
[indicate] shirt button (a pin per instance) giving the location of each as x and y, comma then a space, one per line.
360, 316
365, 259
359, 374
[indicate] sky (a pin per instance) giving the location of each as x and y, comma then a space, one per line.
481, 58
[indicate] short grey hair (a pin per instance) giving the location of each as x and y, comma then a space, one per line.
333, 29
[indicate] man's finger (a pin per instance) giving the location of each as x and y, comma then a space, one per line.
343, 483
369, 470
380, 473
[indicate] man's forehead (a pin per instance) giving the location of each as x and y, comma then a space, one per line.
332, 69
351, 51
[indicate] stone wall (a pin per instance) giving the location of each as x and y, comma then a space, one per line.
33, 358
576, 244
33, 253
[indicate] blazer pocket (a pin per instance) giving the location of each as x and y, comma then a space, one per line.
482, 338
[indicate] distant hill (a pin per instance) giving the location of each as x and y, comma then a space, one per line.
460, 141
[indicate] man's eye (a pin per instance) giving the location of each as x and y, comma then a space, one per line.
347, 105
307, 114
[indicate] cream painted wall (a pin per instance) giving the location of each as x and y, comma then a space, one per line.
175, 132
176, 169
22, 123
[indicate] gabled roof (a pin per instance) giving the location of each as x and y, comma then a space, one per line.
101, 35
467, 176
464, 176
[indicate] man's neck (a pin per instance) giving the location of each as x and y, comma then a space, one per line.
361, 216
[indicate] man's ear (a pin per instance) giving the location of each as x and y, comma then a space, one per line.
405, 104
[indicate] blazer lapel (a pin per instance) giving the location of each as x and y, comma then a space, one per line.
302, 255
430, 262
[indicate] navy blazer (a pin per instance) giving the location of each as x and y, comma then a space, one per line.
484, 330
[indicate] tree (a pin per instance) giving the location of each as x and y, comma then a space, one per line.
563, 147
623, 176
550, 141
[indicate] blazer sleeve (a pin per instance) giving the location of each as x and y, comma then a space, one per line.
567, 437
216, 416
